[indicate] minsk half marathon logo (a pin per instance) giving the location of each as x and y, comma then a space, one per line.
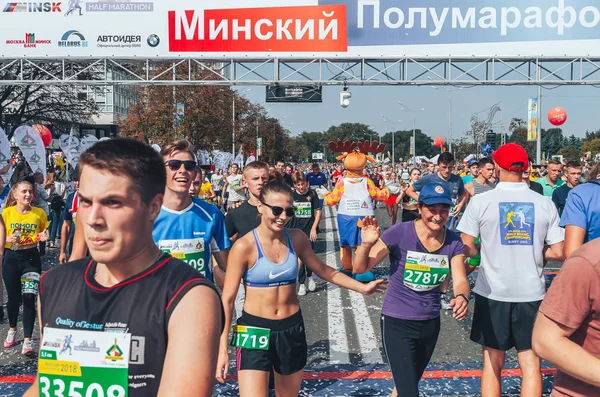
28, 140
30, 6
72, 39
517, 222
114, 353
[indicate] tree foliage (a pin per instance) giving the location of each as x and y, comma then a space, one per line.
57, 106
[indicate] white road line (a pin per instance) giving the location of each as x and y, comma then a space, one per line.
338, 340
369, 347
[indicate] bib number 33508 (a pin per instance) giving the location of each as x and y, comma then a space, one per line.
59, 388
75, 363
250, 337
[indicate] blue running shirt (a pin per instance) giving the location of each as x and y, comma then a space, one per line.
192, 235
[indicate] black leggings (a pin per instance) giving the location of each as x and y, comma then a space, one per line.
408, 345
14, 266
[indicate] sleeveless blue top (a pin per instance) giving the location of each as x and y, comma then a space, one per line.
265, 273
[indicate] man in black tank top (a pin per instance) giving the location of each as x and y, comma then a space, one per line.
126, 320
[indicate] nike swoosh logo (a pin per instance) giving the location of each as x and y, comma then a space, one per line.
273, 276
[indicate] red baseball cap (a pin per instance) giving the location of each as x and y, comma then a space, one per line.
508, 155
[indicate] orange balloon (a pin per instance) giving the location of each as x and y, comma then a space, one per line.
557, 116
438, 142
44, 133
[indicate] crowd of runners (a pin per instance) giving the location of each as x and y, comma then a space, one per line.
176, 264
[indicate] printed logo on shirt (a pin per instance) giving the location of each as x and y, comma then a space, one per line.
517, 222
364, 205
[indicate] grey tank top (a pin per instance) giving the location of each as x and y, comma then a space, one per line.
478, 188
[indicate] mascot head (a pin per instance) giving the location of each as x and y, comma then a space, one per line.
354, 155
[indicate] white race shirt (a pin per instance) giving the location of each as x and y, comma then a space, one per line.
514, 223
235, 181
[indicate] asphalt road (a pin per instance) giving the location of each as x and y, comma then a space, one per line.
346, 357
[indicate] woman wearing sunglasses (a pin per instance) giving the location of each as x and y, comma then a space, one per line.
270, 334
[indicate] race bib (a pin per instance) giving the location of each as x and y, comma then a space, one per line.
303, 209
30, 283
83, 363
424, 272
191, 251
250, 337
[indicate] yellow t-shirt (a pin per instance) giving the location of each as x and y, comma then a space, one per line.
31, 224
205, 191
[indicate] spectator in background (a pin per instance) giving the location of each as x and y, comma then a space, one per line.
581, 215
567, 329
56, 191
316, 179
287, 175
526, 177
472, 171
573, 174
552, 180
69, 217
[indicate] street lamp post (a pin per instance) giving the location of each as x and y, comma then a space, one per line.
233, 119
404, 108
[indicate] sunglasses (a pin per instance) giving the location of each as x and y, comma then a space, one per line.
277, 211
174, 165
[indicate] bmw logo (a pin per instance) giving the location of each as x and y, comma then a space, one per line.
153, 40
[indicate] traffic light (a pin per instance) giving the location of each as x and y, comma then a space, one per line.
490, 139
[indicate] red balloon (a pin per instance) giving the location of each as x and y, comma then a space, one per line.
438, 142
44, 133
557, 116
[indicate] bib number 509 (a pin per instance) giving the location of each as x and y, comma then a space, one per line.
58, 388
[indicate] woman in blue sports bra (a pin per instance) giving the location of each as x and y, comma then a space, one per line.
270, 334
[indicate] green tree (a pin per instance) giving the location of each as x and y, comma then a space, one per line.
570, 153
519, 136
553, 140
423, 146
351, 131
463, 147
592, 145
574, 141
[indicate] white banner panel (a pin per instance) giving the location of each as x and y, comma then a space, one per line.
304, 29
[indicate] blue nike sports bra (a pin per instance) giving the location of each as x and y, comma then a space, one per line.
265, 273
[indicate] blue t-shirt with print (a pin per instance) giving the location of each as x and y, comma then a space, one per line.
583, 209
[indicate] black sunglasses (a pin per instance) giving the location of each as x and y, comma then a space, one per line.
278, 210
174, 165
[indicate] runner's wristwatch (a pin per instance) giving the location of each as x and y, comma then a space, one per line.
464, 296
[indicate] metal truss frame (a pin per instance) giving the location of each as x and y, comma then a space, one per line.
291, 71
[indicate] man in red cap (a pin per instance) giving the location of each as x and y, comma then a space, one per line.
519, 230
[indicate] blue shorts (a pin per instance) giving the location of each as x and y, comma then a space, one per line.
348, 230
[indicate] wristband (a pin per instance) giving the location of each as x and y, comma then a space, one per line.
464, 296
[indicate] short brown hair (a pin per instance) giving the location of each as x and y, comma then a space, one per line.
132, 159
573, 164
554, 162
256, 165
182, 145
298, 177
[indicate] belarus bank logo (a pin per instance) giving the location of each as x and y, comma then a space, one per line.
72, 39
29, 6
114, 353
268, 29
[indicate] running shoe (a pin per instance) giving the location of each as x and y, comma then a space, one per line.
312, 286
10, 340
27, 347
445, 302
302, 290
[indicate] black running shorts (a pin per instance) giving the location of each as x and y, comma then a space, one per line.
287, 352
503, 325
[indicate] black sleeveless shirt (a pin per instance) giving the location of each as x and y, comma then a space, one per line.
141, 305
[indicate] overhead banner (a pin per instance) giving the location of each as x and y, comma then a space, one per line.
532, 121
305, 29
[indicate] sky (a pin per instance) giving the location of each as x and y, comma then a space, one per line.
368, 103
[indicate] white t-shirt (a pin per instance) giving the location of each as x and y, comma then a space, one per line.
514, 223
235, 181
215, 179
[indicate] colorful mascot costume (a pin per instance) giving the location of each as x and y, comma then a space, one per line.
354, 194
